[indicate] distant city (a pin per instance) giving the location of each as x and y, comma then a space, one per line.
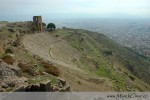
133, 33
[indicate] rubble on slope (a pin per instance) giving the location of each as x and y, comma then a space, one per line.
12, 80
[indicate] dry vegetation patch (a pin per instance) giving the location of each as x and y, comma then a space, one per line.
27, 68
9, 59
50, 68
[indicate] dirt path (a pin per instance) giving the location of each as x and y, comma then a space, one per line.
61, 53
51, 47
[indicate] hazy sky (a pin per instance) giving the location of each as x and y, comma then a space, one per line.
74, 8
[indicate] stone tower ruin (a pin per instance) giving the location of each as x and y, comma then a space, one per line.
37, 20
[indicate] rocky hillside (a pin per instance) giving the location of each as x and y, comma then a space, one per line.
79, 57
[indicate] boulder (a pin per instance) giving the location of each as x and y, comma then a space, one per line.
61, 90
33, 88
20, 88
60, 84
17, 70
55, 88
62, 81
5, 86
65, 89
46, 86
6, 73
8, 84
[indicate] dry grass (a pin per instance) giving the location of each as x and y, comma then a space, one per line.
96, 81
79, 82
50, 68
1, 50
27, 68
8, 59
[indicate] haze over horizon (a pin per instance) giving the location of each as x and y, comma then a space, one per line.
16, 10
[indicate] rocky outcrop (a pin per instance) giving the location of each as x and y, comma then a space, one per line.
44, 86
62, 82
65, 89
11, 79
62, 86
7, 71
10, 76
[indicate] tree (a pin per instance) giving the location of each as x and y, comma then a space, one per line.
43, 24
51, 27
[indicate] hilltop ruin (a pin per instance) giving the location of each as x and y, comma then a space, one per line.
37, 20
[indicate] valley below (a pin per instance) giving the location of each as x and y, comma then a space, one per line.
132, 33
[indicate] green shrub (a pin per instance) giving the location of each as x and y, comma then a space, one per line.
132, 78
108, 52
9, 50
